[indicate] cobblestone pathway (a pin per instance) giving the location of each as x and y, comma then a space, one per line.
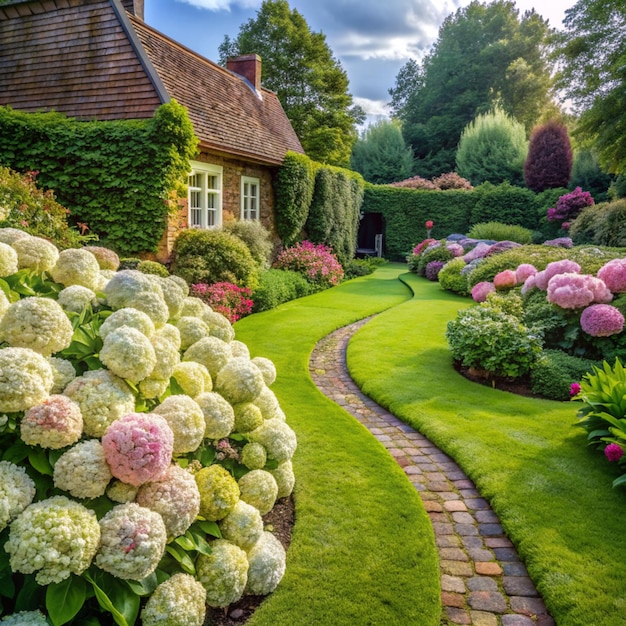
483, 582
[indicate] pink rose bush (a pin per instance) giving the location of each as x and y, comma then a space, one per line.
316, 263
112, 401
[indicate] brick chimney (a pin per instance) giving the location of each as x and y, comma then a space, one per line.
134, 7
249, 66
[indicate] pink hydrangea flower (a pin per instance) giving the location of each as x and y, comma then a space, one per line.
602, 320
55, 423
556, 267
523, 271
529, 283
478, 252
481, 290
613, 274
613, 452
455, 248
505, 280
574, 291
419, 248
574, 389
138, 448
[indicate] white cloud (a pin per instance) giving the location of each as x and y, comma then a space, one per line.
223, 5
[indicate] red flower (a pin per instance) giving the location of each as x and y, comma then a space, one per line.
429, 224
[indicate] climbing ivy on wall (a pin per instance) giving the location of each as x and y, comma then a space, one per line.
121, 178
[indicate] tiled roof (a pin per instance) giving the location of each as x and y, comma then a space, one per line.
226, 112
90, 59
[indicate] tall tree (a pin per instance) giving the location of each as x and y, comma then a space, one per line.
484, 55
591, 52
380, 155
310, 83
549, 161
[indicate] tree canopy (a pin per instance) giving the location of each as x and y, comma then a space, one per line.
310, 83
549, 161
380, 155
591, 53
485, 55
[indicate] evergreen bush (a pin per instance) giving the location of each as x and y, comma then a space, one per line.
505, 203
276, 287
450, 277
501, 232
153, 267
554, 372
256, 237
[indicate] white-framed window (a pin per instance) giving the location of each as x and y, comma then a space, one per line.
204, 195
250, 198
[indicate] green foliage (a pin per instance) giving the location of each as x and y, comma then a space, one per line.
213, 256
484, 55
440, 253
362, 267
152, 267
23, 205
381, 155
501, 232
278, 286
601, 225
554, 372
293, 185
587, 174
545, 200
492, 149
116, 177
505, 203
310, 83
256, 237
129, 263
450, 277
589, 53
484, 338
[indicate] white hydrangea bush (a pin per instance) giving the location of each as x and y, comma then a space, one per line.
140, 445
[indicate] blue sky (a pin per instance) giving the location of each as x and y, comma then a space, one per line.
371, 39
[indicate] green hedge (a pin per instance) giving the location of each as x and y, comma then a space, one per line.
118, 177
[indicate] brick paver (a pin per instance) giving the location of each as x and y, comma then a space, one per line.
483, 581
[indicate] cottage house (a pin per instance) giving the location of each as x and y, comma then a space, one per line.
99, 60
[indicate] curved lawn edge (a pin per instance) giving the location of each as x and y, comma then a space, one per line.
552, 494
363, 548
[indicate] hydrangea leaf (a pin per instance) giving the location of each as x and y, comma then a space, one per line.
65, 599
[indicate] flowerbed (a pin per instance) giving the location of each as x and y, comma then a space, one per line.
140, 446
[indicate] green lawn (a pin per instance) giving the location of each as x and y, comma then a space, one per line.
553, 494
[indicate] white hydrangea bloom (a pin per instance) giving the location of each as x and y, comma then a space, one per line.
132, 541
254, 456
8, 260
63, 373
186, 419
4, 303
243, 526
219, 325
76, 298
35, 253
212, 352
152, 388
25, 618
128, 285
181, 282
219, 492
167, 352
55, 423
268, 369
107, 259
127, 317
173, 294
83, 470
36, 323
219, 415
267, 403
248, 416
76, 266
17, 491
119, 491
154, 305
128, 353
240, 380
239, 348
102, 397
285, 478
178, 601
175, 497
11, 235
224, 573
194, 307
277, 438
259, 489
54, 538
171, 334
268, 562
193, 378
191, 329
25, 379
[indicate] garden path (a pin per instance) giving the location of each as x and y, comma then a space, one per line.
483, 581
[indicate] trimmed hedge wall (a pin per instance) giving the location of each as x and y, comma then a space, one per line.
121, 178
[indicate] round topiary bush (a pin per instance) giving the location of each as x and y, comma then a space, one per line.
450, 277
213, 256
256, 237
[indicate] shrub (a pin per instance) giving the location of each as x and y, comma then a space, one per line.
256, 237
601, 225
505, 203
362, 267
549, 160
129, 263
415, 182
278, 286
451, 180
450, 277
23, 205
435, 253
432, 270
316, 263
569, 206
587, 173
231, 301
213, 256
152, 267
501, 232
554, 372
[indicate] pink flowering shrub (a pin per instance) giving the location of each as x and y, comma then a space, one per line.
574, 291
478, 252
420, 247
556, 267
231, 301
559, 242
613, 274
505, 280
481, 290
529, 284
502, 246
602, 320
523, 271
316, 263
456, 249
